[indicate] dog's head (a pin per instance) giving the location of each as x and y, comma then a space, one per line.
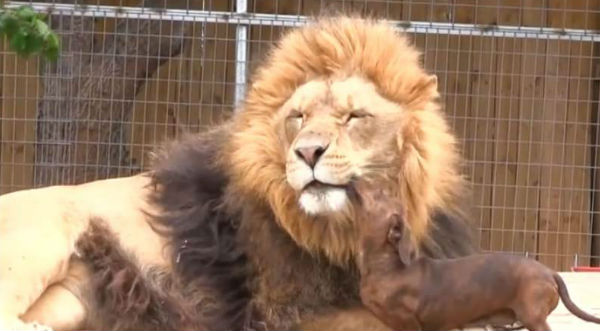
382, 225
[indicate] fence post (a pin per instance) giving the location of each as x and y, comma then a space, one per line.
241, 56
595, 168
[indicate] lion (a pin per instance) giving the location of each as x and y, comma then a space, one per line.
251, 224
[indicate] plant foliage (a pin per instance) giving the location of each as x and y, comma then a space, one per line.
28, 33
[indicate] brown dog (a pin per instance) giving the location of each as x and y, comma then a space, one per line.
426, 294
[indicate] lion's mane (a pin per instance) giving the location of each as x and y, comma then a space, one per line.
428, 177
234, 222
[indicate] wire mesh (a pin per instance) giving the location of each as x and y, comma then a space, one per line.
519, 81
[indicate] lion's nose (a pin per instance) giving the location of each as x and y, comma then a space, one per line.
311, 154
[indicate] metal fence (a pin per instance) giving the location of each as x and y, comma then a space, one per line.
518, 79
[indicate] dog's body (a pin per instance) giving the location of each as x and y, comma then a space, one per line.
427, 294
470, 291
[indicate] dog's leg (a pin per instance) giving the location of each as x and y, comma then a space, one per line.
533, 317
538, 326
535, 302
545, 326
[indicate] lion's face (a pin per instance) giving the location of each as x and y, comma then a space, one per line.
335, 131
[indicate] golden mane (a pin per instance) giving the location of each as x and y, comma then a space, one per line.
428, 177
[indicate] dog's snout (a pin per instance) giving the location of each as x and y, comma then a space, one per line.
311, 154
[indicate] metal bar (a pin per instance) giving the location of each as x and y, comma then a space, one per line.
505, 31
241, 55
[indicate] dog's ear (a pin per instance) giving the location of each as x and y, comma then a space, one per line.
406, 249
399, 236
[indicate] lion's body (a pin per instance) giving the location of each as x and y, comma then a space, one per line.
39, 228
231, 217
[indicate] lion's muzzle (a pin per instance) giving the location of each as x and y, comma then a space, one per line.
316, 170
310, 147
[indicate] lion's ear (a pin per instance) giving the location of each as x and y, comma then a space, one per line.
424, 90
433, 82
430, 86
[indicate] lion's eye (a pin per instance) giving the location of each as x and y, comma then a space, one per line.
294, 114
293, 123
296, 122
356, 114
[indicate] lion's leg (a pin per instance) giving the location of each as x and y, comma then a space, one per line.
61, 305
58, 308
33, 257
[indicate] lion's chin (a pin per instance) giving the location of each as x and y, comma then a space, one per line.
323, 200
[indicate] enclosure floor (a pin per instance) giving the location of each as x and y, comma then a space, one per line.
584, 289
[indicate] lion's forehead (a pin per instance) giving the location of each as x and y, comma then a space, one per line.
309, 95
339, 95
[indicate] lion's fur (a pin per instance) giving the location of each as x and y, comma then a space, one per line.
131, 299
236, 236
233, 245
190, 190
428, 174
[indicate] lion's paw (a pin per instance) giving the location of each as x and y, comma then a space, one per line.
24, 326
39, 327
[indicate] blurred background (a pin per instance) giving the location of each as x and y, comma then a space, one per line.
519, 79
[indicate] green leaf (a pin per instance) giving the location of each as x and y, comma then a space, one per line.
26, 13
11, 25
52, 54
42, 28
18, 42
28, 33
52, 40
52, 47
35, 44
